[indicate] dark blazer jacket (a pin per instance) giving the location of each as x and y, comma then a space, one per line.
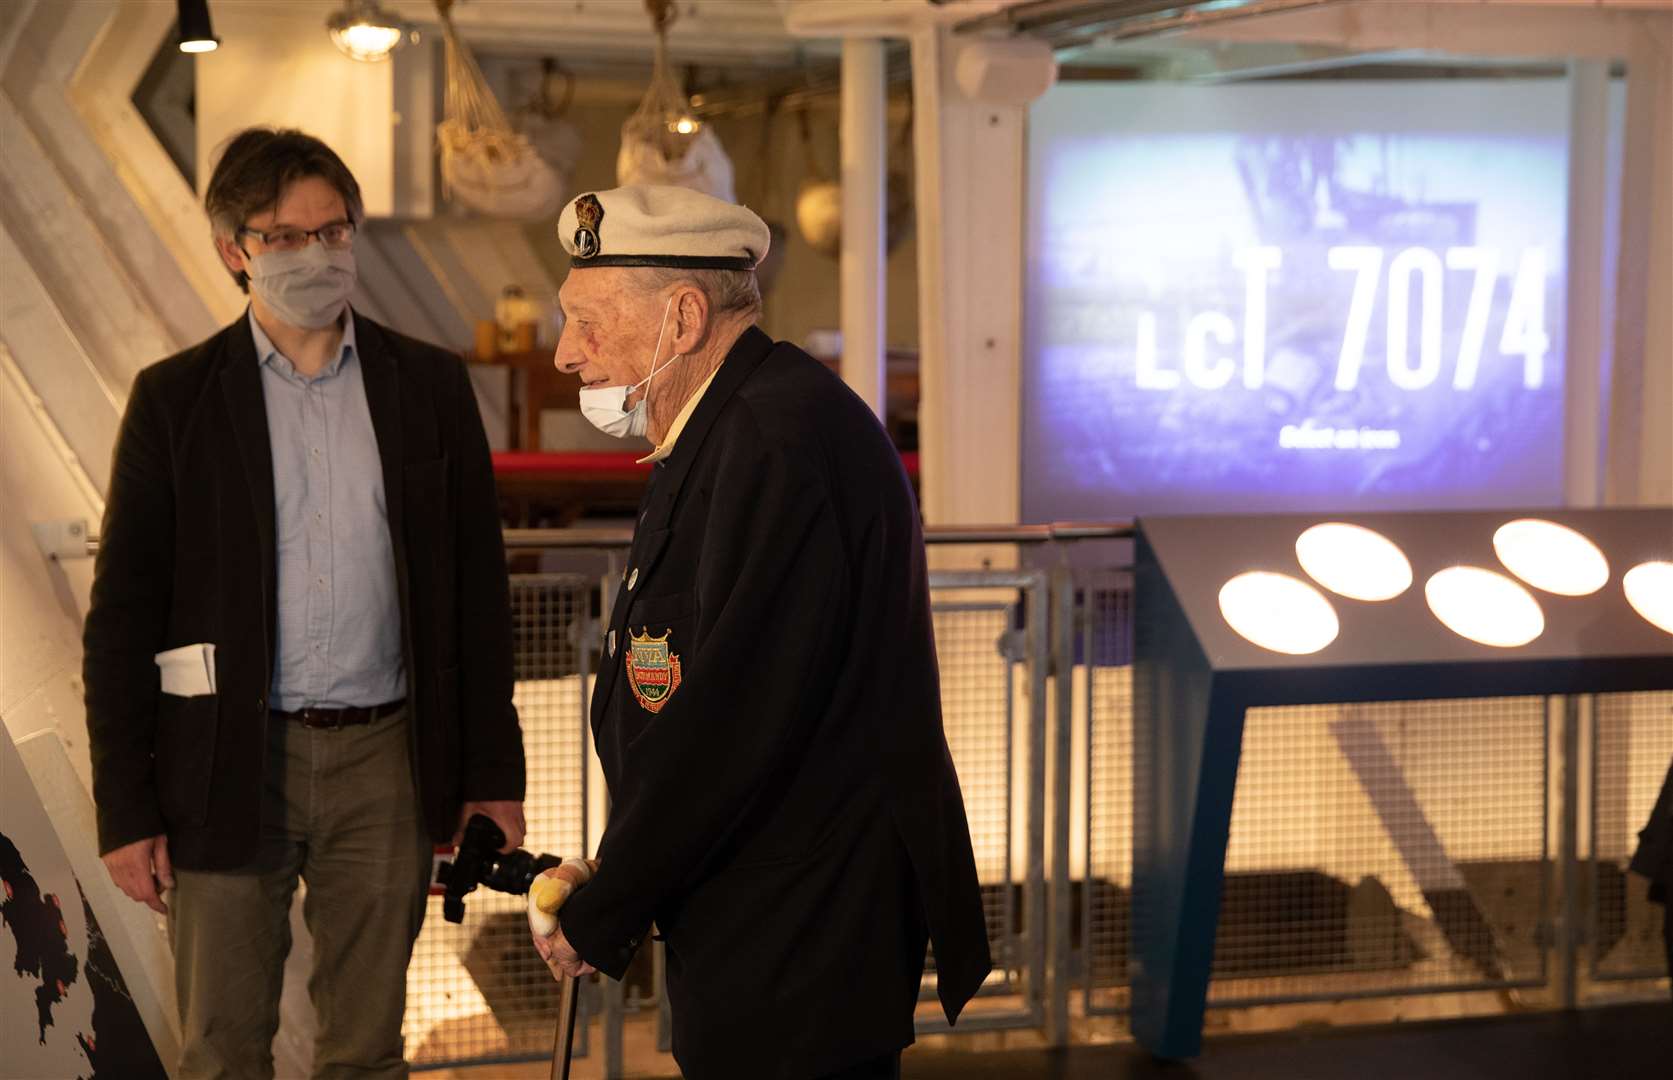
186, 555
768, 716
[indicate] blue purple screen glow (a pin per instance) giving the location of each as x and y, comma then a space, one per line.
1295, 296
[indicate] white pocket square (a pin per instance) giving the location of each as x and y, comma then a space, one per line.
188, 671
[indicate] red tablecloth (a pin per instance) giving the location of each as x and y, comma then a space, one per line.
532, 464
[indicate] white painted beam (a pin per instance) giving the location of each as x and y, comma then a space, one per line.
1480, 29
430, 240
57, 40
970, 162
84, 408
70, 254
102, 92
863, 266
407, 290
1640, 469
493, 254
1583, 407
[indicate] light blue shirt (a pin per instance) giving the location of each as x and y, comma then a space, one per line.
339, 614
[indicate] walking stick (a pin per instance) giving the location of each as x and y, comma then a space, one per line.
547, 894
563, 1037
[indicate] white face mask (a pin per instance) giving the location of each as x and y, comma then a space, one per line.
306, 288
603, 406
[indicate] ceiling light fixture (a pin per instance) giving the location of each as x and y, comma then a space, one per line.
1551, 557
1484, 606
365, 31
1279, 612
196, 35
1353, 561
1649, 589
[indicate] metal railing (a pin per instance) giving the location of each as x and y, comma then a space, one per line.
1631, 745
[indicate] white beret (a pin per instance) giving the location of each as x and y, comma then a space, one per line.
646, 225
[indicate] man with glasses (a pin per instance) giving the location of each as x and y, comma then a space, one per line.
298, 654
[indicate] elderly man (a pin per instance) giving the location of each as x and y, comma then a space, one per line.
784, 806
298, 655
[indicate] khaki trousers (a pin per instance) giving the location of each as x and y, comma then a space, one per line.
339, 812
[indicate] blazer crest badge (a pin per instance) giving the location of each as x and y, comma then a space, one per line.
653, 671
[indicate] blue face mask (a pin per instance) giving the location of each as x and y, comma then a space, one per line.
604, 406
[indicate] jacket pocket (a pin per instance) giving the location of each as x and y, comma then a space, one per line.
185, 756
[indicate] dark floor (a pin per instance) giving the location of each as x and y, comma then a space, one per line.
1619, 1043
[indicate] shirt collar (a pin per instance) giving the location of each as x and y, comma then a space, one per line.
267, 352
666, 447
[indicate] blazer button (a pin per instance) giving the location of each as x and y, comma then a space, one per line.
261, 706
633, 579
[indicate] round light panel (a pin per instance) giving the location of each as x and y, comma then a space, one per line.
1278, 612
1353, 561
1484, 606
1551, 557
1649, 589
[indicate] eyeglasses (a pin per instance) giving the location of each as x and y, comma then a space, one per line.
338, 234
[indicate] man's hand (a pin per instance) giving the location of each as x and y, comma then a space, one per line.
508, 815
560, 956
142, 870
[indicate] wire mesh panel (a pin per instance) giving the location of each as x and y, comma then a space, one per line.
1385, 848
1632, 752
987, 682
1106, 654
477, 990
1378, 849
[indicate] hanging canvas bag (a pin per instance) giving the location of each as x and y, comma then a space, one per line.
662, 143
487, 166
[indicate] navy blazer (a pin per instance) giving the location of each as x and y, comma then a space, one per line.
186, 555
768, 716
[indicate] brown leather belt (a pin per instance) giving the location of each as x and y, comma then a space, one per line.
314, 717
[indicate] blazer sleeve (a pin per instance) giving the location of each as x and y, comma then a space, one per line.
491, 739
128, 618
772, 555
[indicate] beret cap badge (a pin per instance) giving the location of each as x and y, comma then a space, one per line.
589, 215
659, 225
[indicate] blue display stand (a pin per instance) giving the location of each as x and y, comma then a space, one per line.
1195, 678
